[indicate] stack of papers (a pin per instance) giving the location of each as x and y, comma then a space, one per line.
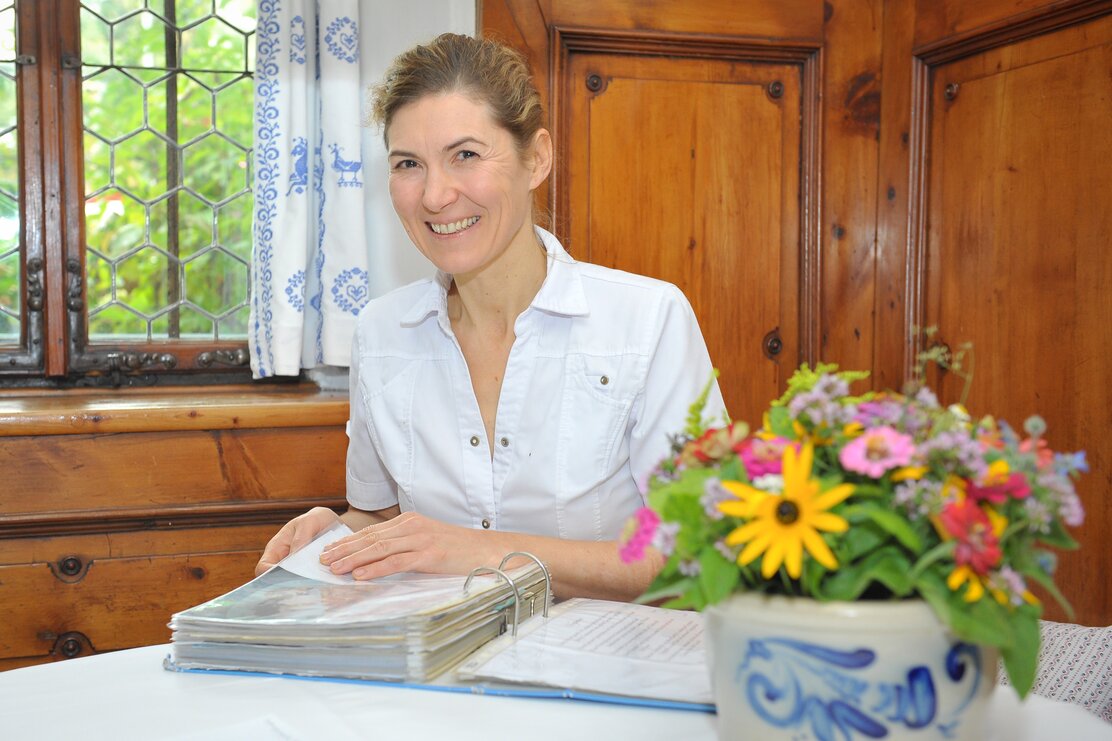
300, 619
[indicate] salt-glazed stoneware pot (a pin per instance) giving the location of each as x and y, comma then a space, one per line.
794, 668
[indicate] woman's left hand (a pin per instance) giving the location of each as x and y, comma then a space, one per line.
408, 542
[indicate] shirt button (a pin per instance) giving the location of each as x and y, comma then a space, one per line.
486, 524
474, 441
505, 442
604, 380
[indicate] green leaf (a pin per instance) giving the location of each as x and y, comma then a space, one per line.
863, 536
1047, 583
928, 559
695, 427
886, 566
780, 420
1058, 537
666, 590
984, 622
717, 575
1021, 659
892, 523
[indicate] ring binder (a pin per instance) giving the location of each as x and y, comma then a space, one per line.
501, 573
544, 570
406, 627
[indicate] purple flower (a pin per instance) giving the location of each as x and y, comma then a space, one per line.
713, 494
919, 498
879, 412
820, 405
728, 552
664, 540
957, 452
689, 567
1067, 463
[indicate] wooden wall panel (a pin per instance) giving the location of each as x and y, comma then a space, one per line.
891, 340
945, 19
779, 20
706, 196
61, 474
870, 204
850, 134
1015, 252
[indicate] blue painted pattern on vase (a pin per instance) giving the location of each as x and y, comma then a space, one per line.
811, 687
796, 669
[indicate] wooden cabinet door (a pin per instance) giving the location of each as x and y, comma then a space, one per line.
1018, 218
689, 170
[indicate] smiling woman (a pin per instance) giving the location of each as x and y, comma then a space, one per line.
518, 400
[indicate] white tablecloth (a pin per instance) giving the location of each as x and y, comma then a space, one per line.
128, 695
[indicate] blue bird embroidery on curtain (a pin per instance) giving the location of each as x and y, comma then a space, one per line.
299, 178
346, 168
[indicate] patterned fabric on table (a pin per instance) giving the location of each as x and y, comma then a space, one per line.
1075, 666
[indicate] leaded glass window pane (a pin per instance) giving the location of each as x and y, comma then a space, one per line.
167, 104
10, 272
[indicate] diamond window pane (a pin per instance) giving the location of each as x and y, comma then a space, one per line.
168, 96
10, 259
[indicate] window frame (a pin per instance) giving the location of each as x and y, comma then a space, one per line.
54, 348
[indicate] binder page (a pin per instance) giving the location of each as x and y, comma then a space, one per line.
306, 562
605, 647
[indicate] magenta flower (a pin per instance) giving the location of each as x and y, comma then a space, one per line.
638, 535
877, 451
761, 456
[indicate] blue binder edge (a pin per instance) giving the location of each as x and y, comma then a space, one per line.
541, 693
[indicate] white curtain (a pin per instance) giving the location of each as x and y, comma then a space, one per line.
325, 237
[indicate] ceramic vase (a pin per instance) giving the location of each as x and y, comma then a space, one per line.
794, 668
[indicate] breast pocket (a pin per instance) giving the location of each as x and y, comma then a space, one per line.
388, 396
593, 446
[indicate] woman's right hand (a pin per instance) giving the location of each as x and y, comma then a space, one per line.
294, 535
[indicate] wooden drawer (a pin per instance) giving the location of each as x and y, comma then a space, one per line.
72, 596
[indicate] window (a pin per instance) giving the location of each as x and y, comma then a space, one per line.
125, 190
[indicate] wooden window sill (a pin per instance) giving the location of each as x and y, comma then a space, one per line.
159, 410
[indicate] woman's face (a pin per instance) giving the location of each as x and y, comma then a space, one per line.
459, 185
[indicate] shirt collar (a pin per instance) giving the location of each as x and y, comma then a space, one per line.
561, 293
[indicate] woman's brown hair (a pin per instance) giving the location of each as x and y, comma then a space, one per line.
486, 69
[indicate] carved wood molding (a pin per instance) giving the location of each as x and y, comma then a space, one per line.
72, 413
1010, 30
807, 56
926, 59
84, 522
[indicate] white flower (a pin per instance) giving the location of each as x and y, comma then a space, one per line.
773, 483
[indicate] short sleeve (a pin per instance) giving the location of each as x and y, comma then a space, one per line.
369, 486
679, 367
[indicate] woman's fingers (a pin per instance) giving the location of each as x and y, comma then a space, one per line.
408, 561
295, 535
407, 543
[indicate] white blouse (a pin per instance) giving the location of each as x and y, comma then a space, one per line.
602, 371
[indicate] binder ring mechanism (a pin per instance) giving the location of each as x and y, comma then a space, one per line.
516, 593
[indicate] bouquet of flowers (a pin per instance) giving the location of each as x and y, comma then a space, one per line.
879, 496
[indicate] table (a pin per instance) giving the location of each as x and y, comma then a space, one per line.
128, 695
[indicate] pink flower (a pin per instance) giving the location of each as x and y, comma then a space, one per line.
1000, 483
762, 456
639, 532
876, 451
1044, 456
977, 534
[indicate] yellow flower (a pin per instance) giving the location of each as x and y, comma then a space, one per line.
965, 575
781, 526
